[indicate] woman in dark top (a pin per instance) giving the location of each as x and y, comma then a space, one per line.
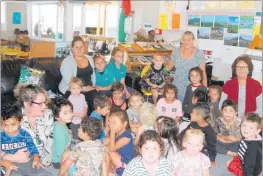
80, 66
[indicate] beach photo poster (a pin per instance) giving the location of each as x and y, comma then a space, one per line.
232, 24
194, 20
220, 21
207, 21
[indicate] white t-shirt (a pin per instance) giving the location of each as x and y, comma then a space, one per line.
169, 110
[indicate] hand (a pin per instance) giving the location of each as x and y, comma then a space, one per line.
21, 156
37, 162
140, 130
213, 164
154, 86
88, 88
97, 88
9, 166
113, 128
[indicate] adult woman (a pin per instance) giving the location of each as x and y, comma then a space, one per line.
243, 89
37, 120
80, 66
185, 58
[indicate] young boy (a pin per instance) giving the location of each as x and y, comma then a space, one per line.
214, 94
199, 116
102, 107
156, 77
13, 138
250, 149
104, 78
87, 157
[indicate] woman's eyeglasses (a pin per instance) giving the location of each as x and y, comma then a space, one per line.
40, 103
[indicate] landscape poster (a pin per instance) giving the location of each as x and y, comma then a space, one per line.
246, 22
217, 34
231, 39
245, 40
207, 21
232, 24
220, 21
203, 33
194, 20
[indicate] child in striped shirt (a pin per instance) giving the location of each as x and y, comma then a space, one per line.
150, 160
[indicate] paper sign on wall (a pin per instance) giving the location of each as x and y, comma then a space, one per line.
16, 18
176, 19
244, 5
163, 21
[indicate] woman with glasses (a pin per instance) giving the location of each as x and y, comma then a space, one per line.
81, 66
244, 90
37, 120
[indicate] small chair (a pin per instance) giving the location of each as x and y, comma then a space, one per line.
146, 93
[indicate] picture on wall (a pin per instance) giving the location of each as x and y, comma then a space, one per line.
245, 40
220, 21
207, 21
217, 34
232, 24
203, 33
246, 22
231, 39
194, 20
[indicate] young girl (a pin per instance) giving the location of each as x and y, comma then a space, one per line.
196, 78
228, 129
214, 94
117, 68
156, 76
62, 110
117, 99
168, 130
80, 107
119, 142
135, 102
190, 161
169, 106
149, 161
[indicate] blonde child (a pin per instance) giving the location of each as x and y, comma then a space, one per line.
195, 77
214, 94
150, 160
117, 96
228, 129
80, 106
156, 77
168, 130
104, 78
169, 106
118, 69
191, 161
250, 149
62, 110
119, 141
135, 102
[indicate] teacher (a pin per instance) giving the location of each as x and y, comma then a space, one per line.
81, 66
244, 90
184, 58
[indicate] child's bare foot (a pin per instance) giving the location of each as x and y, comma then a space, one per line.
233, 154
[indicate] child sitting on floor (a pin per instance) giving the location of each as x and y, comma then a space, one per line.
214, 94
117, 96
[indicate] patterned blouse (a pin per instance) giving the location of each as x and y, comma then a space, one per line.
225, 129
43, 135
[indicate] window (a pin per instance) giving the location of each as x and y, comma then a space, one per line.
47, 20
3, 15
77, 18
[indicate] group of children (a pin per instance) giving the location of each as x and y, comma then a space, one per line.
137, 138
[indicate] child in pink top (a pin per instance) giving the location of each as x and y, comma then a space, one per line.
79, 103
169, 106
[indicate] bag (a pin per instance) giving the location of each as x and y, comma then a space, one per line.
235, 166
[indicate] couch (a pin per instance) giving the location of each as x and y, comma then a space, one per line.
10, 71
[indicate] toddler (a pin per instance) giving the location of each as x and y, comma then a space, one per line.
168, 130
117, 93
228, 129
190, 161
13, 139
199, 116
135, 103
119, 141
62, 110
102, 107
156, 76
169, 106
214, 94
80, 107
87, 157
195, 77
250, 149
104, 78
150, 160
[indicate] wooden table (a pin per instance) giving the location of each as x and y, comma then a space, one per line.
9, 53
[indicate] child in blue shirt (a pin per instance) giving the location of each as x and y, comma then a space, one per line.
13, 138
63, 112
104, 78
102, 107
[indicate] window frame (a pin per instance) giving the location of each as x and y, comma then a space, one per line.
3, 16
